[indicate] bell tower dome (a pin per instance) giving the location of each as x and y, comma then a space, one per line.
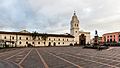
74, 30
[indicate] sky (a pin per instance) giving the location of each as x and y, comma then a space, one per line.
54, 16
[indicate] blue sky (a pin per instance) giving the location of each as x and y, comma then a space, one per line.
53, 16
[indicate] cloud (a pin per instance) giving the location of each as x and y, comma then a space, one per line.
54, 16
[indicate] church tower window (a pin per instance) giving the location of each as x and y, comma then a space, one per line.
74, 29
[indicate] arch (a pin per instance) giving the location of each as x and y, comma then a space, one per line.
75, 24
82, 39
71, 44
54, 44
49, 44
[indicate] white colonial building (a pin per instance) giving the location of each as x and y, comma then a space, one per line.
25, 38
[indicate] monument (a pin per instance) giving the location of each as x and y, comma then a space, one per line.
96, 38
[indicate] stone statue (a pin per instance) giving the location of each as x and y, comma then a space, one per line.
96, 33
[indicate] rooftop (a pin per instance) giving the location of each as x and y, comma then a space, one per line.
40, 34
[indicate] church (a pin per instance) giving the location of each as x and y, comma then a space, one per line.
25, 38
80, 37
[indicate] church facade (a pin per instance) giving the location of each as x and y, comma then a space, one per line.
81, 37
25, 38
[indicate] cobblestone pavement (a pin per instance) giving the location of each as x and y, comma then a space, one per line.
60, 57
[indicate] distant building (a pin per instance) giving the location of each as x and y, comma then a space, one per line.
25, 38
113, 37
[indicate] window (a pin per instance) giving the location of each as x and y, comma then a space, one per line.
44, 42
114, 39
67, 39
59, 39
38, 38
76, 31
12, 37
111, 36
77, 25
119, 40
26, 42
107, 40
63, 39
26, 38
107, 36
32, 42
49, 38
58, 42
114, 36
20, 38
20, 42
119, 35
110, 40
5, 37
54, 39
63, 42
38, 42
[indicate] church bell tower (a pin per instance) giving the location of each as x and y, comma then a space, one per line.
74, 30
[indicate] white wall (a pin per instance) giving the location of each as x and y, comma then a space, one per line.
30, 40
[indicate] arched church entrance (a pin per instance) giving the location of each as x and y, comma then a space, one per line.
54, 44
82, 39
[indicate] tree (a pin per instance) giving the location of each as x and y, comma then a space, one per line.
44, 37
34, 36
